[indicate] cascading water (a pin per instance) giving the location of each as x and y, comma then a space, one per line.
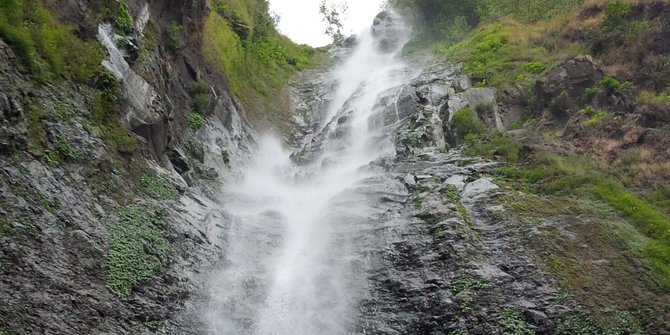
296, 257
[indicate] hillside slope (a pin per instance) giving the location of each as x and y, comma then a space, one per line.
582, 122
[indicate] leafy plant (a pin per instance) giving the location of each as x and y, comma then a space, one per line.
136, 248
465, 122
195, 121
513, 322
123, 25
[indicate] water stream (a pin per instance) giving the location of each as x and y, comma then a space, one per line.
296, 261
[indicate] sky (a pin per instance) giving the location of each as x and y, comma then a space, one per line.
300, 19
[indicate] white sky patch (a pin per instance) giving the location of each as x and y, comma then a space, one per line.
301, 20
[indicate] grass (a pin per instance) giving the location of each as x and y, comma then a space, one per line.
136, 248
554, 174
465, 122
158, 186
258, 63
47, 47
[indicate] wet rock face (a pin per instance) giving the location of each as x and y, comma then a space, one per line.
388, 30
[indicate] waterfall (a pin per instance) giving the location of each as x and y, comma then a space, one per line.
295, 262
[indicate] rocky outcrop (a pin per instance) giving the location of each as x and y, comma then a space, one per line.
574, 76
78, 194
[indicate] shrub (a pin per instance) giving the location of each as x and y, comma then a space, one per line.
534, 67
614, 84
493, 146
465, 122
597, 119
195, 121
123, 25
615, 13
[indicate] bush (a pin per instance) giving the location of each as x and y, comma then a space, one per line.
465, 122
615, 14
123, 25
195, 121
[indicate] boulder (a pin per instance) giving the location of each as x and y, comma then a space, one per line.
573, 77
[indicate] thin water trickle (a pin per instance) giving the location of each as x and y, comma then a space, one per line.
293, 265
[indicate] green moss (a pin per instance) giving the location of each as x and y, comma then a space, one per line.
597, 119
158, 186
534, 67
512, 322
469, 284
137, 248
257, 63
614, 322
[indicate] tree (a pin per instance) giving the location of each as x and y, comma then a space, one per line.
332, 14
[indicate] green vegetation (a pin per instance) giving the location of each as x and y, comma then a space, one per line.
158, 186
553, 174
136, 248
615, 323
46, 47
469, 284
123, 25
513, 323
64, 153
195, 121
201, 96
597, 119
242, 42
155, 325
465, 122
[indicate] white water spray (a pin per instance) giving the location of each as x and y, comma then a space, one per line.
294, 265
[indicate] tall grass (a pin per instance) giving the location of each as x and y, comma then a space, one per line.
47, 47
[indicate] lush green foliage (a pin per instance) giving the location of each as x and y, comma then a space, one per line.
123, 25
47, 47
136, 248
158, 186
258, 61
